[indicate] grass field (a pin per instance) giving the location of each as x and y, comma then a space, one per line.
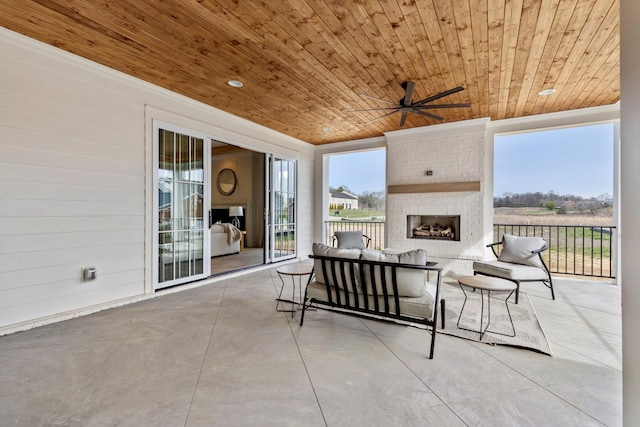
541, 216
356, 214
537, 216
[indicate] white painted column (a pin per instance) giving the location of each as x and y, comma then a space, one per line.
630, 207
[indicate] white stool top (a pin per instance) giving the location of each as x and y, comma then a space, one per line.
487, 283
297, 269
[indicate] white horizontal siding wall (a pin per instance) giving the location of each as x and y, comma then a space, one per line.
72, 186
75, 179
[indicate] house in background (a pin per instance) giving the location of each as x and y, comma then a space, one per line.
79, 176
342, 200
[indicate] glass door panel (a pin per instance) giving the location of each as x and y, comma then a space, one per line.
181, 199
281, 221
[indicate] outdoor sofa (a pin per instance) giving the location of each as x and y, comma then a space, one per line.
373, 283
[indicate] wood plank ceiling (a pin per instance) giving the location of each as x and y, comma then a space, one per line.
306, 63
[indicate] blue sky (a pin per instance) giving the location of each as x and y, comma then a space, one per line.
361, 171
577, 161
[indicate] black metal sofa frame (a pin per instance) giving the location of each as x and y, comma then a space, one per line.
379, 303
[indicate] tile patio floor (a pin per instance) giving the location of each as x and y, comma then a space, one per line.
220, 355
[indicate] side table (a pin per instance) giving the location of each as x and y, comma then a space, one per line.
488, 284
242, 239
292, 270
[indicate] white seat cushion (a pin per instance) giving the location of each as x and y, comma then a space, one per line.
421, 307
510, 271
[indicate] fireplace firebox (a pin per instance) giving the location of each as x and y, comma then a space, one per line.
434, 227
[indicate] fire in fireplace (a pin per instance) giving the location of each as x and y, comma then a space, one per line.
435, 227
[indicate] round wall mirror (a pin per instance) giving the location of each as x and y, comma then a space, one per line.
227, 181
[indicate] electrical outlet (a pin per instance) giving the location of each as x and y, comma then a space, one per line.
89, 273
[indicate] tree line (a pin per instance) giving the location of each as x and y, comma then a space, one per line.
375, 200
550, 200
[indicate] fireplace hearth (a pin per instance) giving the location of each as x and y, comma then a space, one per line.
434, 227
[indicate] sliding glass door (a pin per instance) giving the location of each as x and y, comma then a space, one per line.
182, 240
280, 220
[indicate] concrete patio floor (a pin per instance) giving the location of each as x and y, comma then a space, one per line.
219, 354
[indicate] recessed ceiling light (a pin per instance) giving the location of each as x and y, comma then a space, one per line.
547, 92
235, 83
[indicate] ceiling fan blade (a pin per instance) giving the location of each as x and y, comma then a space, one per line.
422, 107
374, 109
382, 117
379, 99
408, 93
431, 116
438, 96
403, 119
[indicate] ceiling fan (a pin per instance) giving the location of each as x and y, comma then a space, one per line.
406, 104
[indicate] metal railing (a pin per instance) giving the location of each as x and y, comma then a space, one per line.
573, 250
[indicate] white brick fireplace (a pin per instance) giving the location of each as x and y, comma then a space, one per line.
440, 170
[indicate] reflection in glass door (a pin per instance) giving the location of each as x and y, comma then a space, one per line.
281, 217
182, 194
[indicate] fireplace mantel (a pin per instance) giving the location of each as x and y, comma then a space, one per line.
437, 187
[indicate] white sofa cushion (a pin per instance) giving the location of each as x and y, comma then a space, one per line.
324, 250
410, 282
509, 270
517, 250
233, 234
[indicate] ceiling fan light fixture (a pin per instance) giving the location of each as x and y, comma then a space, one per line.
235, 83
547, 92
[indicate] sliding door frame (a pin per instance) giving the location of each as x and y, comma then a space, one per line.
193, 228
280, 214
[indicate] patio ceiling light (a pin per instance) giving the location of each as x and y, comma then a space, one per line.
235, 83
547, 92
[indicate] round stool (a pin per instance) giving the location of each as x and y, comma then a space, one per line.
488, 284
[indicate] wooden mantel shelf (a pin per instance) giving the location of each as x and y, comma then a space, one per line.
438, 187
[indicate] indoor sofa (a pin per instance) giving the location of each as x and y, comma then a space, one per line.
225, 239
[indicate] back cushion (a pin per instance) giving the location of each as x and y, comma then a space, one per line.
218, 228
410, 281
324, 250
517, 250
350, 239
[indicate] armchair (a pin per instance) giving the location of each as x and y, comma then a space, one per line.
519, 260
351, 240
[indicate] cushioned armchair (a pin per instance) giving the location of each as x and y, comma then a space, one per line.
351, 240
519, 260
